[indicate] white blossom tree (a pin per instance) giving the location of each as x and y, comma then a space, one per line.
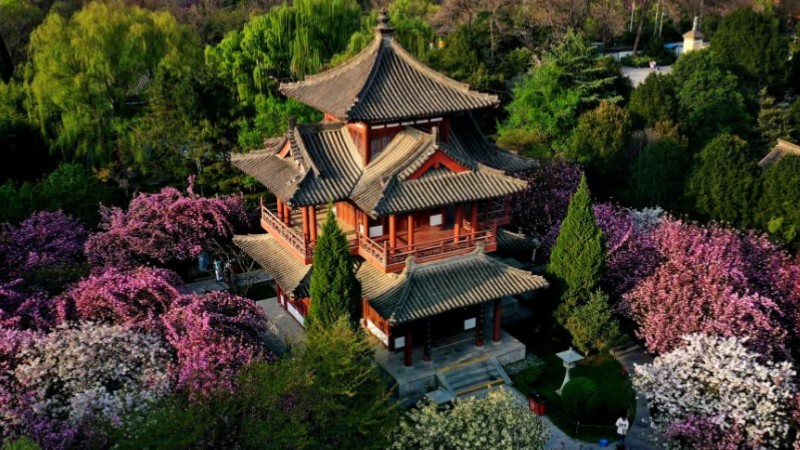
94, 371
715, 380
498, 421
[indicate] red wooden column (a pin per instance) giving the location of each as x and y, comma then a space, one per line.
459, 220
392, 231
312, 211
306, 234
498, 314
479, 325
287, 215
473, 221
280, 210
409, 348
411, 231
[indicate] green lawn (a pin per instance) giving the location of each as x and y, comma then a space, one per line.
616, 392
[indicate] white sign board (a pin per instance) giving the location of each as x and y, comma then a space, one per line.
436, 220
400, 342
470, 323
376, 231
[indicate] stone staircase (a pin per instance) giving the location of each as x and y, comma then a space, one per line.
471, 376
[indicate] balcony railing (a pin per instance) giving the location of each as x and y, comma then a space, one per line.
293, 236
286, 233
427, 250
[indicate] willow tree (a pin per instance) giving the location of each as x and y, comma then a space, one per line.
88, 73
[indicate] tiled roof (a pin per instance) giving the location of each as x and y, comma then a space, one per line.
291, 275
385, 187
323, 165
781, 148
425, 290
385, 83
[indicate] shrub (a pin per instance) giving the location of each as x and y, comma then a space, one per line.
580, 399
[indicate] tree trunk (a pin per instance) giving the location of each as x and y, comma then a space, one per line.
6, 61
642, 17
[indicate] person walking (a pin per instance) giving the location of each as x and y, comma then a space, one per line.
622, 429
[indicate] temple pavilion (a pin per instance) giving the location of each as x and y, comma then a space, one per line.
418, 190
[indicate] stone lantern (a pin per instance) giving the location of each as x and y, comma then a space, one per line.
570, 357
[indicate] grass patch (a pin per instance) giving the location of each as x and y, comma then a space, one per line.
616, 394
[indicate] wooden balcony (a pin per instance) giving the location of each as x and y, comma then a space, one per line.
292, 235
429, 245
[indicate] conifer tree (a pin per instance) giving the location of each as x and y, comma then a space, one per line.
576, 262
335, 291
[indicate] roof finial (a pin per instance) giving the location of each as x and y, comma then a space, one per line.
383, 23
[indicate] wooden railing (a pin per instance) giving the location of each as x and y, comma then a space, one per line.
293, 236
272, 223
428, 250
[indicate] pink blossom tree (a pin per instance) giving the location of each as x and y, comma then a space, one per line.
139, 297
214, 335
716, 281
162, 227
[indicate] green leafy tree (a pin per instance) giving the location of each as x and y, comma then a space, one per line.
710, 100
658, 175
577, 260
599, 143
26, 155
327, 395
24, 443
17, 19
542, 111
779, 205
87, 74
751, 44
654, 100
497, 421
335, 290
546, 103
593, 325
724, 182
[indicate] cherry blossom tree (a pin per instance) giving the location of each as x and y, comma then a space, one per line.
542, 206
139, 297
716, 281
214, 335
162, 227
714, 380
74, 376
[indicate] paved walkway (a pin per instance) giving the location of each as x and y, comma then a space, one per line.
641, 435
281, 323
638, 75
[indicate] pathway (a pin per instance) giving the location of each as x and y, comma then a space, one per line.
638, 75
640, 436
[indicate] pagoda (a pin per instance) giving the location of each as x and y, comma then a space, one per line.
420, 193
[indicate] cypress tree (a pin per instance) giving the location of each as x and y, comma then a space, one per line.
335, 291
577, 259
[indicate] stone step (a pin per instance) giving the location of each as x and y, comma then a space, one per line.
473, 375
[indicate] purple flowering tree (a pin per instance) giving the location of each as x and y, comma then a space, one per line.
163, 227
630, 249
28, 311
45, 250
542, 206
214, 335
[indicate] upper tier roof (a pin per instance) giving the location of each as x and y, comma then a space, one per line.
385, 83
322, 164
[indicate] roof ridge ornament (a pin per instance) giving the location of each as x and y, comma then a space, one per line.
383, 27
